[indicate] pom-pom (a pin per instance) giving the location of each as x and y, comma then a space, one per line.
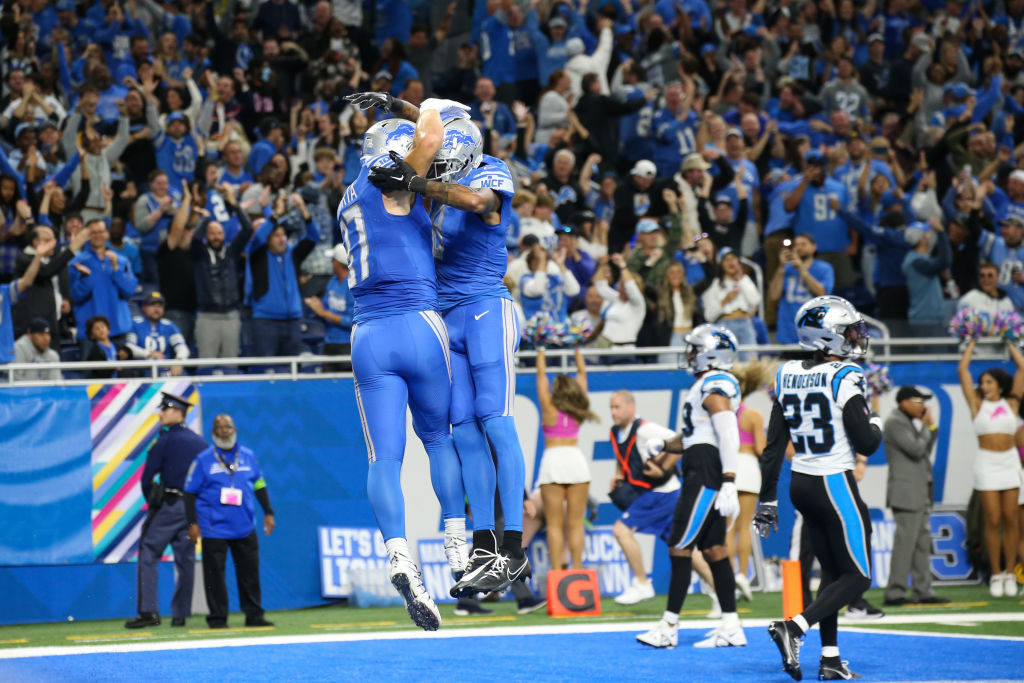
543, 330
877, 379
1009, 325
967, 324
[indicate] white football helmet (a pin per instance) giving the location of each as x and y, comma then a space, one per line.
831, 324
389, 135
460, 151
710, 347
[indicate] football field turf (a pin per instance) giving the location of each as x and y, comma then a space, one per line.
973, 638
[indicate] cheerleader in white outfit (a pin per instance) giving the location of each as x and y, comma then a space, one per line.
994, 404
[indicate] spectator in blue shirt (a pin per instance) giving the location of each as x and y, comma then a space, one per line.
270, 143
153, 336
272, 280
928, 315
801, 278
810, 201
486, 107
337, 309
579, 262
101, 284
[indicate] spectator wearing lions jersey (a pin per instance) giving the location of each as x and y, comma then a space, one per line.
1006, 251
153, 336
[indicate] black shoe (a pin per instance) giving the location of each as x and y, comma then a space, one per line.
258, 622
217, 624
784, 634
932, 600
895, 602
466, 607
502, 571
144, 620
178, 621
479, 562
862, 609
831, 669
531, 603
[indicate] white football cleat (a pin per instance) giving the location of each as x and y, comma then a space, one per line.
721, 637
743, 585
663, 634
636, 592
457, 551
405, 577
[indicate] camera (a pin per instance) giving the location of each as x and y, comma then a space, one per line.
787, 243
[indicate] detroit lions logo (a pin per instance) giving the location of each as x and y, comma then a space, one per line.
814, 317
723, 341
456, 138
399, 133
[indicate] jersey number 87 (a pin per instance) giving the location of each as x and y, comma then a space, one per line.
820, 410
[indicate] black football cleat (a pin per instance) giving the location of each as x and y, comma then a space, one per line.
832, 669
503, 571
784, 634
479, 562
144, 620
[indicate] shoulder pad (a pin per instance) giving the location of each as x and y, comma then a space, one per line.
494, 177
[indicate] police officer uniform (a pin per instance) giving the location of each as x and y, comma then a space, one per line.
221, 492
170, 457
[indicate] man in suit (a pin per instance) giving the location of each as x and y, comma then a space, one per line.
909, 494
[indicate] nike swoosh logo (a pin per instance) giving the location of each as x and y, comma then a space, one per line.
477, 317
515, 576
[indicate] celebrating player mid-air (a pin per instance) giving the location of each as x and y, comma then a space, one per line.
400, 347
820, 407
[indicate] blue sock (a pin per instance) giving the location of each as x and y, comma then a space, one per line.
384, 489
477, 472
511, 471
446, 476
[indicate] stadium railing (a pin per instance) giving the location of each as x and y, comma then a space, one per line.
885, 350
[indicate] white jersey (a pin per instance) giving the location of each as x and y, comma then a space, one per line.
812, 400
695, 420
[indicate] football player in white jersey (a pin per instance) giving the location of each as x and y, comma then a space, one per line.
709, 443
820, 408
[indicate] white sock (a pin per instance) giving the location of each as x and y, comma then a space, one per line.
670, 617
397, 545
830, 651
455, 526
730, 620
802, 623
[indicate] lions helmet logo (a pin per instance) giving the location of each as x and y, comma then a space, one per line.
813, 317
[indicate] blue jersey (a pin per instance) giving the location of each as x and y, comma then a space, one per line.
674, 139
163, 336
1007, 259
219, 212
338, 299
177, 158
795, 295
235, 180
471, 255
814, 216
8, 295
391, 269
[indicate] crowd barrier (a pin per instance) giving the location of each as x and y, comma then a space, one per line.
72, 457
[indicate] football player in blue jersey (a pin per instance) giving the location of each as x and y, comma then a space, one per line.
400, 350
471, 205
153, 336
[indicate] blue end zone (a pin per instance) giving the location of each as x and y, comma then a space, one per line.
612, 657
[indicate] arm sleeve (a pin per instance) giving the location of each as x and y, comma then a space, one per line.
570, 286
728, 430
263, 497
113, 153
239, 241
864, 436
774, 453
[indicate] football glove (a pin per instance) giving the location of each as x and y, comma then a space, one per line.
767, 518
366, 100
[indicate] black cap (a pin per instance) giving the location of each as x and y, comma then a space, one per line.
568, 229
153, 297
911, 392
529, 240
170, 400
38, 326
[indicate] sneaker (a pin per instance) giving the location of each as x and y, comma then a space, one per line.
743, 586
896, 602
830, 670
479, 562
785, 638
862, 609
501, 572
716, 607
464, 608
932, 600
1009, 584
720, 637
636, 592
144, 620
996, 586
406, 578
663, 634
530, 604
457, 552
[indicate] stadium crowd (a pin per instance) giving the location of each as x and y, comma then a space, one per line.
675, 162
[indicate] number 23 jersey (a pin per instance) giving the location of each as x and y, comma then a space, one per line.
695, 420
812, 398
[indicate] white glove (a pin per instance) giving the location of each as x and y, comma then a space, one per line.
875, 419
441, 106
656, 446
727, 502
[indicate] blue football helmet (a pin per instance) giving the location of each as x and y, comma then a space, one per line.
831, 324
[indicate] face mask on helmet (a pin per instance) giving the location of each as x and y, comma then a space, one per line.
459, 154
857, 338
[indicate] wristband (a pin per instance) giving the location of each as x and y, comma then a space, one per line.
729, 478
418, 184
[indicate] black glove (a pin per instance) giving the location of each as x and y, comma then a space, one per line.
366, 100
767, 518
400, 177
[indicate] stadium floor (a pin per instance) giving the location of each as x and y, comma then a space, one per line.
557, 653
